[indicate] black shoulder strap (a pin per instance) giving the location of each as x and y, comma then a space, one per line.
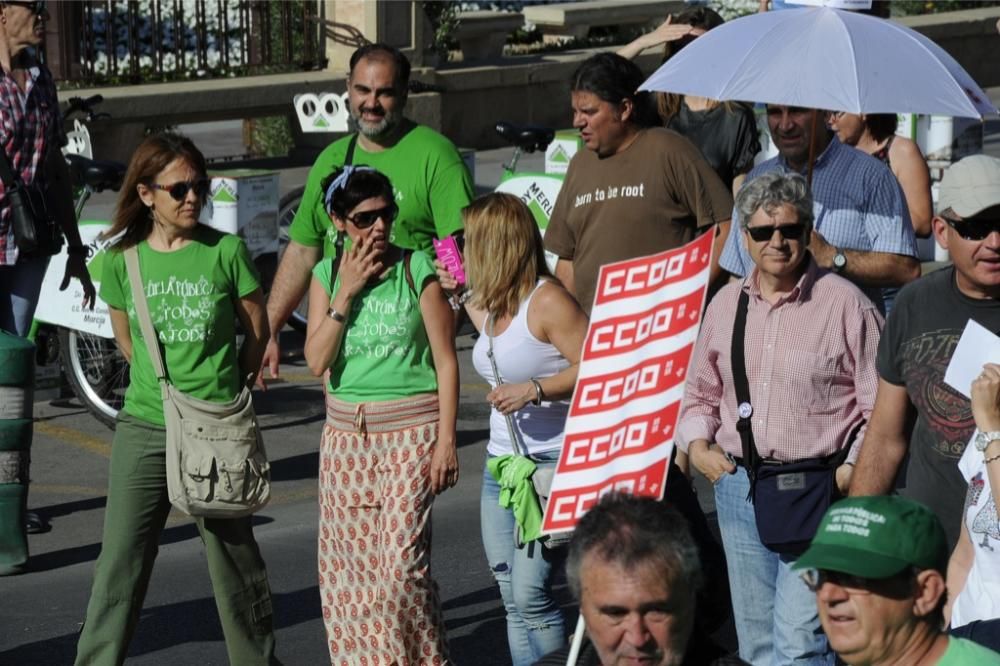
6, 173
351, 145
741, 385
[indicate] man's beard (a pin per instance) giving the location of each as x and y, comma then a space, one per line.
389, 121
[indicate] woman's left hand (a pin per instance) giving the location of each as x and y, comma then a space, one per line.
985, 394
508, 398
444, 467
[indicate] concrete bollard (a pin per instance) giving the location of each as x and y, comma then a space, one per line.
17, 378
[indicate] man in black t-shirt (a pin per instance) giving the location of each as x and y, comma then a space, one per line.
915, 412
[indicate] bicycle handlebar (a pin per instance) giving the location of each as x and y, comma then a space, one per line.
86, 107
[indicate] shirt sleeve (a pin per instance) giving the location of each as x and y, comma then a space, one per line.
451, 191
421, 270
559, 237
747, 140
695, 184
735, 257
322, 272
113, 283
699, 417
889, 360
887, 218
311, 220
863, 333
244, 274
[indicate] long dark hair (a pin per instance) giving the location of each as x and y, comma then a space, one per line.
612, 79
153, 155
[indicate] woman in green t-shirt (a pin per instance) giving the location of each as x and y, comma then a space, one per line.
380, 326
198, 281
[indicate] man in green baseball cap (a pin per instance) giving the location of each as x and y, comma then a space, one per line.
877, 566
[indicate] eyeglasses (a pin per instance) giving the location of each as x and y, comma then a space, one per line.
973, 229
815, 578
787, 231
178, 191
367, 218
37, 7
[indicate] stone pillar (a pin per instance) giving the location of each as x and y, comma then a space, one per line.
401, 24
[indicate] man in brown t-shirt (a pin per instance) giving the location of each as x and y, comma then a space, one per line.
636, 190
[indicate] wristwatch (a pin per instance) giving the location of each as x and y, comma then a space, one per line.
983, 439
839, 262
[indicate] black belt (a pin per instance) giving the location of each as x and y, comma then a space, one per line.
739, 461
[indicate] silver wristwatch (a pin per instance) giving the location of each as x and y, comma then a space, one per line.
983, 439
839, 262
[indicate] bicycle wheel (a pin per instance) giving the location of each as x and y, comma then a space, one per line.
286, 213
97, 372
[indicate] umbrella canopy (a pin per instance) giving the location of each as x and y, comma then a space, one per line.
823, 58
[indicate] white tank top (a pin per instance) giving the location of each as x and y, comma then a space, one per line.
520, 356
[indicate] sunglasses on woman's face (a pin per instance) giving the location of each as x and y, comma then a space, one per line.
787, 231
973, 229
178, 191
367, 218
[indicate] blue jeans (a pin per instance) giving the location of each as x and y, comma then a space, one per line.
774, 612
524, 575
20, 285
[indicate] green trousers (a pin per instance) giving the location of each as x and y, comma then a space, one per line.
136, 512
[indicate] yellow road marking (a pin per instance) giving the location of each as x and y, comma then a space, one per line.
74, 437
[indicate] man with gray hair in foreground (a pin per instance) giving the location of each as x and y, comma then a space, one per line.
635, 571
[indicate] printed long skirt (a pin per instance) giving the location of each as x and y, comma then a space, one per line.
380, 604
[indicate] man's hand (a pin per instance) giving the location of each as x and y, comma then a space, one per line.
270, 362
821, 250
710, 460
76, 267
843, 478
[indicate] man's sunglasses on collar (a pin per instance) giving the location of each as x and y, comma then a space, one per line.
973, 229
788, 231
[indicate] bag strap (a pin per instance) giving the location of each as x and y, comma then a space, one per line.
142, 312
409, 275
351, 145
514, 439
744, 409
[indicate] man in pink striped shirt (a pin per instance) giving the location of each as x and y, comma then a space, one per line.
810, 344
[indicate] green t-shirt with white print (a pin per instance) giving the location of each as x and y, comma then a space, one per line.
191, 294
384, 352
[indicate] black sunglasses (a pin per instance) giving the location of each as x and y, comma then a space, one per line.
788, 231
37, 7
974, 229
367, 218
179, 190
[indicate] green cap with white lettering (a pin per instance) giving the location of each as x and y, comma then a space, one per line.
877, 537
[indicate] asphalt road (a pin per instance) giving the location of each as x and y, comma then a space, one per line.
41, 610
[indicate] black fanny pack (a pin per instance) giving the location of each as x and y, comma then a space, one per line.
36, 231
789, 500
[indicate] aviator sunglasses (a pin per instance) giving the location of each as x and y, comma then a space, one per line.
367, 218
974, 229
787, 231
179, 190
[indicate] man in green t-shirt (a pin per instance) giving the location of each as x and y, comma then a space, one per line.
429, 178
877, 566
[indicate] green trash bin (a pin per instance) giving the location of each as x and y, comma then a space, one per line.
17, 379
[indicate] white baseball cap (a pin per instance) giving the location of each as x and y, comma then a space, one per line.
970, 185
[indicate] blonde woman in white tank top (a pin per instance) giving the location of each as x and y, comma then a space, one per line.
538, 331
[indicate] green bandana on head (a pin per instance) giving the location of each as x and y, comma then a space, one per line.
877, 537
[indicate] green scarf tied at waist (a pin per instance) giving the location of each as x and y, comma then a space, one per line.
517, 492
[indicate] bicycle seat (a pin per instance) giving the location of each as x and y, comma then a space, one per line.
528, 138
100, 175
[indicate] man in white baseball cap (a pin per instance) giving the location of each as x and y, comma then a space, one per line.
915, 411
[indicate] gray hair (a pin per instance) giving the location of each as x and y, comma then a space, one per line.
772, 190
632, 531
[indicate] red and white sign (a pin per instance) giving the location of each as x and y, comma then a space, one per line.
619, 433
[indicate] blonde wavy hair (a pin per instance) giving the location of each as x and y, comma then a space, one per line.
504, 258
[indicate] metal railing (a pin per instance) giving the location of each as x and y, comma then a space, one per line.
138, 41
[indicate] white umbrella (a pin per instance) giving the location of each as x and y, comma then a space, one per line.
823, 58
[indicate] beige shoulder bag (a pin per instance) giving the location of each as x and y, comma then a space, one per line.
216, 463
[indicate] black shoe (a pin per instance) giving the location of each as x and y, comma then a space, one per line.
35, 524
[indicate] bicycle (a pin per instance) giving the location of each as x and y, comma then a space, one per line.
538, 190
